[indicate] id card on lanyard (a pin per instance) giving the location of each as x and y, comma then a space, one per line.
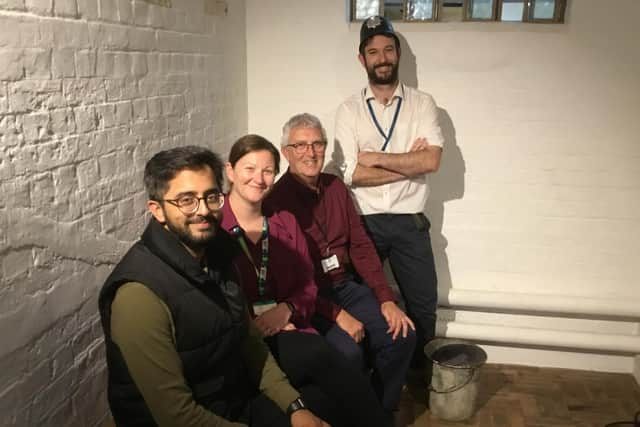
386, 137
260, 307
263, 303
330, 260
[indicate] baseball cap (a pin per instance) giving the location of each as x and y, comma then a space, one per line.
373, 26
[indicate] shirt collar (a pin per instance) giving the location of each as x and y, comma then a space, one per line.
303, 189
367, 93
229, 220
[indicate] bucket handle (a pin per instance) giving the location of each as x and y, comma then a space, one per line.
455, 387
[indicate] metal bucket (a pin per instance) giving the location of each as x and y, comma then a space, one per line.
454, 384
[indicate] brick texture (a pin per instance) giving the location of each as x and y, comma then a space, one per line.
89, 90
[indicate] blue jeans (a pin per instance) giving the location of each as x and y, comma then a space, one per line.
389, 358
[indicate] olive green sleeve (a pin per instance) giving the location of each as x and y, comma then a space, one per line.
264, 369
142, 328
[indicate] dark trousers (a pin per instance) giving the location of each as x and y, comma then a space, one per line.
389, 358
329, 385
405, 241
261, 411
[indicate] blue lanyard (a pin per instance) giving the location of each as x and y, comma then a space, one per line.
264, 259
386, 137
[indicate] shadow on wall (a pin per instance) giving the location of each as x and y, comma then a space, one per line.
408, 71
446, 184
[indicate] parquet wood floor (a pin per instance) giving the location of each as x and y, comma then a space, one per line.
519, 396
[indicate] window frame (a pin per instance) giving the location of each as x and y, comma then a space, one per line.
466, 14
560, 7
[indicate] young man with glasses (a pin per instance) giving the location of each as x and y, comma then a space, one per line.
355, 307
181, 350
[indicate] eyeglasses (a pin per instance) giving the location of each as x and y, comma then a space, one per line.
301, 147
189, 205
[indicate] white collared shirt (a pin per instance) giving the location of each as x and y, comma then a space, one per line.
355, 131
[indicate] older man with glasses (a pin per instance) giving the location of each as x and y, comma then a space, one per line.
181, 350
356, 308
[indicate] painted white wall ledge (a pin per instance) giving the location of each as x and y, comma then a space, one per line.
540, 337
542, 303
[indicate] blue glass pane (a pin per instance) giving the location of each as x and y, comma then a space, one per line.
420, 9
512, 10
481, 9
543, 9
393, 9
366, 8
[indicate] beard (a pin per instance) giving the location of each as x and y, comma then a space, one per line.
188, 238
390, 78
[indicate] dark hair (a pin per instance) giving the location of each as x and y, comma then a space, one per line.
165, 165
250, 143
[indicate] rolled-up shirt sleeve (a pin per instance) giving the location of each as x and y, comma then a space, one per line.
429, 124
345, 154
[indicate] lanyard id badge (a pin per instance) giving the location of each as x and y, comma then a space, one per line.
260, 307
330, 263
387, 137
261, 273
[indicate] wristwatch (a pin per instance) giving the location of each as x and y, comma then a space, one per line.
296, 405
290, 307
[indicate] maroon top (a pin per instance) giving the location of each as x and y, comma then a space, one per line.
289, 267
332, 226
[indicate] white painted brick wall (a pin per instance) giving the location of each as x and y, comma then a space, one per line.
89, 90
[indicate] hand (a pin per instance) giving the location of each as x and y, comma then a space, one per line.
289, 327
397, 319
305, 418
350, 325
273, 320
368, 159
419, 144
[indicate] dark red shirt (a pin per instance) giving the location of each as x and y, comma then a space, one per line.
289, 266
332, 225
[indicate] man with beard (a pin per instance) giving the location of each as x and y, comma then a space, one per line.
387, 141
181, 350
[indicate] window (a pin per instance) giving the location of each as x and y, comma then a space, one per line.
544, 11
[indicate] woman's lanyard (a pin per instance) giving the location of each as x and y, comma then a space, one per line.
261, 274
386, 137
